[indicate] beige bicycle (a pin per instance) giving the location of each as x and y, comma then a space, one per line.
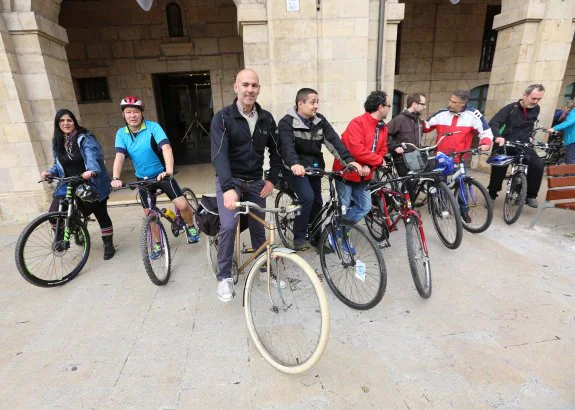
289, 325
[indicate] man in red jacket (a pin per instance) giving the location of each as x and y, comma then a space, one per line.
366, 139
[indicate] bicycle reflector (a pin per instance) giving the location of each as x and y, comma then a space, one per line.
443, 163
87, 193
500, 160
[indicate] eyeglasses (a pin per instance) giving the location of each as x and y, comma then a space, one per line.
420, 103
387, 105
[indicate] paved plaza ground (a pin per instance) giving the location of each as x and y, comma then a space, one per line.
498, 331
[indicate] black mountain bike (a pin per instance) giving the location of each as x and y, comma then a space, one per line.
351, 261
55, 246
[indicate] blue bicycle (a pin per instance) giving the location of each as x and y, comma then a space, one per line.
475, 205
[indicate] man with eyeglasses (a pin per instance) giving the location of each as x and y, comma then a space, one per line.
407, 126
467, 122
366, 139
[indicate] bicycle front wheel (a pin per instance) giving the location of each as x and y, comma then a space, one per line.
418, 257
191, 198
353, 266
445, 214
284, 222
515, 198
44, 257
155, 250
289, 326
475, 200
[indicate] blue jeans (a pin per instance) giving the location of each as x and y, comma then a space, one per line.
308, 191
570, 154
346, 191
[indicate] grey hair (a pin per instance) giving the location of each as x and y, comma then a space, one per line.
532, 87
463, 94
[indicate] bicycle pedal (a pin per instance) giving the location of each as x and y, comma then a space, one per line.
385, 245
319, 275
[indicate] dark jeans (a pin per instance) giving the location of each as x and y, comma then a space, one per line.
247, 191
534, 174
308, 191
402, 171
99, 209
570, 154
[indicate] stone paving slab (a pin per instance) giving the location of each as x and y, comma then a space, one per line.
498, 331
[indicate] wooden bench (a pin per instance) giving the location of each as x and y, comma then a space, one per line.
560, 186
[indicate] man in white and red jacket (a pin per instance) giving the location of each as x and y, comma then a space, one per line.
366, 139
466, 121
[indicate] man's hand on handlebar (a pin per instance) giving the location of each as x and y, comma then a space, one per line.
500, 141
399, 150
45, 175
230, 199
116, 183
358, 168
298, 170
163, 175
365, 170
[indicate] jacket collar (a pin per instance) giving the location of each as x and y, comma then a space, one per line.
142, 127
298, 123
236, 113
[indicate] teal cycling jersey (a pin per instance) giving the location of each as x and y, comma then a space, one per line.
140, 148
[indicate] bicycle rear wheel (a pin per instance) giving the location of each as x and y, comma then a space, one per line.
191, 198
284, 222
479, 205
355, 269
212, 252
44, 258
445, 214
290, 326
155, 250
375, 220
515, 198
418, 257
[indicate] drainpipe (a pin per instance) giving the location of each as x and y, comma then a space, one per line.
381, 29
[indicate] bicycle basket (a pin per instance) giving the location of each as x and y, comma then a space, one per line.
207, 217
413, 161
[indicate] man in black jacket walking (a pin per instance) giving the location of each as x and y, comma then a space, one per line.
240, 134
515, 122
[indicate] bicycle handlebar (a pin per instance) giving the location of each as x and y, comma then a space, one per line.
322, 172
427, 149
284, 209
74, 178
138, 184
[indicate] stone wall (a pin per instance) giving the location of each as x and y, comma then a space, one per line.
441, 48
127, 45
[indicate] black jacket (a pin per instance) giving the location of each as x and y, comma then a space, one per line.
302, 145
235, 153
404, 127
519, 122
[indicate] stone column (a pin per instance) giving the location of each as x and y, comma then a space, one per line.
533, 44
35, 81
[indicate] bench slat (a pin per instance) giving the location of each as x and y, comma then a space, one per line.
557, 182
566, 205
560, 169
560, 194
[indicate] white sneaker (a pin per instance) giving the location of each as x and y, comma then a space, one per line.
226, 290
274, 280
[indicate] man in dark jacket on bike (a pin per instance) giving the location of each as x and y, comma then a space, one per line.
515, 122
302, 132
240, 134
407, 126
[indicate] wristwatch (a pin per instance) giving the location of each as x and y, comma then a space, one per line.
116, 179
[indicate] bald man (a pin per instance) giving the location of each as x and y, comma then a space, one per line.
240, 134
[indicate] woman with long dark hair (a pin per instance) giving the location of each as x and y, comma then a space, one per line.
77, 152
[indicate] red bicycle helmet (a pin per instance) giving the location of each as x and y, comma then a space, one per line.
131, 101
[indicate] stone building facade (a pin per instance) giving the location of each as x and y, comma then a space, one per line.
181, 57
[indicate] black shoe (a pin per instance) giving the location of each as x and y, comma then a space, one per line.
109, 250
301, 244
532, 202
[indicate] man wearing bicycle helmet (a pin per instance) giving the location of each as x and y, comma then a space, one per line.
515, 122
146, 143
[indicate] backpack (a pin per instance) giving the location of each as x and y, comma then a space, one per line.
207, 217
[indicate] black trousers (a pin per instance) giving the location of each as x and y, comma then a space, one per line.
99, 209
534, 173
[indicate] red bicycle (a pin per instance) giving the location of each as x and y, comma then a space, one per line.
390, 204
